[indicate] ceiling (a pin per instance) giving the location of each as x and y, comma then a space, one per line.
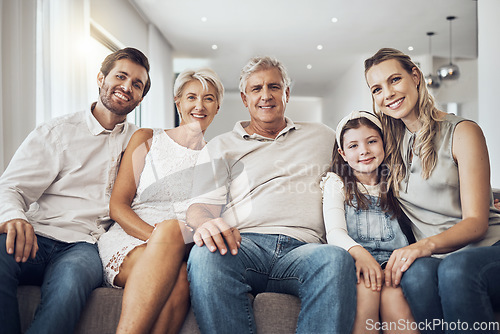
291, 30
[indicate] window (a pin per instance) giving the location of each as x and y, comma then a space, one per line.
102, 44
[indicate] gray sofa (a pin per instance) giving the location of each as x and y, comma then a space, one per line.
274, 312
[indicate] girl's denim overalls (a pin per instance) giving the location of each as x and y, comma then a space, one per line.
374, 229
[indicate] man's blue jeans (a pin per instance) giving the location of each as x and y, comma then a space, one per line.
460, 291
322, 276
67, 273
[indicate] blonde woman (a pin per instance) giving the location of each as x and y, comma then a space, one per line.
145, 250
441, 174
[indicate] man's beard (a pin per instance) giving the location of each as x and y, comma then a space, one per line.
106, 96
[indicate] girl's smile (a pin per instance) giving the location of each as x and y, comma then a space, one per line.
363, 150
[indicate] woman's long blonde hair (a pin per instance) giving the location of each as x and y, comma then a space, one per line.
394, 129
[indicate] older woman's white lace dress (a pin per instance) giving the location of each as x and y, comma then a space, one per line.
163, 193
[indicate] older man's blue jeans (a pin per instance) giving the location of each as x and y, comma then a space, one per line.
67, 273
458, 293
322, 276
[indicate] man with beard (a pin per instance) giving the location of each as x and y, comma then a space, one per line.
55, 195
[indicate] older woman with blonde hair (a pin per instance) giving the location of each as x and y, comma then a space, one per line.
145, 250
441, 173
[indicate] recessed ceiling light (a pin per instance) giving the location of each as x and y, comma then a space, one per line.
410, 48
335, 20
309, 66
204, 19
319, 47
214, 47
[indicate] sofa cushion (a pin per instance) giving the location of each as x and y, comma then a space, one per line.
274, 312
28, 298
100, 316
102, 312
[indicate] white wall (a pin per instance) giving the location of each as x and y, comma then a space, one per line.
347, 93
158, 105
488, 81
305, 108
121, 20
233, 110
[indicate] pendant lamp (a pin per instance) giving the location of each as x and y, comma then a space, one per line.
432, 81
450, 71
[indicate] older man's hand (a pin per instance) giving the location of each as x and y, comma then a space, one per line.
215, 234
21, 239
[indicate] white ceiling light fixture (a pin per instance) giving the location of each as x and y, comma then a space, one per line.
450, 71
432, 81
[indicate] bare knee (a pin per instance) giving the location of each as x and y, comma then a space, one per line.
368, 302
367, 309
168, 231
394, 306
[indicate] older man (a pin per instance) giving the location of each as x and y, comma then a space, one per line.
65, 170
262, 211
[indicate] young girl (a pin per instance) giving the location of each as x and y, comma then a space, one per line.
360, 215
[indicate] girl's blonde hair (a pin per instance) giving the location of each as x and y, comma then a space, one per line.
394, 129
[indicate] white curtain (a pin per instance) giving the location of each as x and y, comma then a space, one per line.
158, 105
17, 74
63, 48
1, 90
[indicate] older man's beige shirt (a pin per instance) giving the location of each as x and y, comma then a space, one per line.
60, 178
268, 186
